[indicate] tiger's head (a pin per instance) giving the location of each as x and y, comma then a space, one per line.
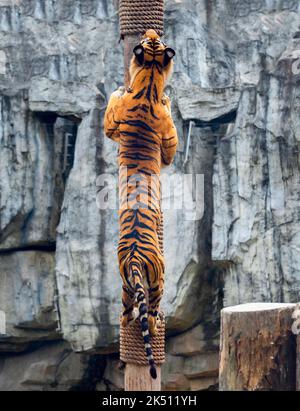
152, 51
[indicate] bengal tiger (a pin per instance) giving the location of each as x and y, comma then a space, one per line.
139, 119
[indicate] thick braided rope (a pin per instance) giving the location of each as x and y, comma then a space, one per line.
132, 346
138, 16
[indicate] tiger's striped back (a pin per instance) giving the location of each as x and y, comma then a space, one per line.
140, 121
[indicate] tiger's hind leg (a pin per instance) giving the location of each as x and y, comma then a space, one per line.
128, 306
153, 322
154, 314
155, 291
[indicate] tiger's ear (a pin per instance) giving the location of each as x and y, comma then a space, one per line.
169, 54
138, 51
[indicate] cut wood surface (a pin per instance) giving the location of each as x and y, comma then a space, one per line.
137, 378
257, 348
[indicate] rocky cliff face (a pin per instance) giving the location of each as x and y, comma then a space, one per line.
236, 76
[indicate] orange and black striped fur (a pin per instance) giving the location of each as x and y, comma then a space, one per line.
139, 119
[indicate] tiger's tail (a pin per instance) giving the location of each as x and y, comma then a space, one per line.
140, 298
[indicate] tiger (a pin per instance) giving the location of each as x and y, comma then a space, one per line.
139, 119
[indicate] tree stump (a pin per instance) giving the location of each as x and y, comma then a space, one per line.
296, 331
137, 378
298, 364
257, 348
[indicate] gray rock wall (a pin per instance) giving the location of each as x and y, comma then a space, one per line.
237, 78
